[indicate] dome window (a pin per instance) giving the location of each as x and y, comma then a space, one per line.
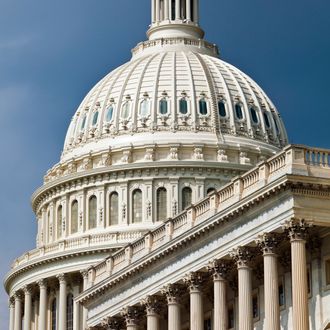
163, 106
69, 312
254, 115
238, 111
114, 208
109, 114
92, 209
161, 204
222, 109
83, 123
74, 217
203, 107
276, 125
137, 206
95, 118
266, 117
183, 106
186, 197
144, 108
126, 108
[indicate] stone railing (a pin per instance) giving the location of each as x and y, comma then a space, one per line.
72, 244
293, 160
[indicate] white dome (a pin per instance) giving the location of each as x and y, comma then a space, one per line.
124, 108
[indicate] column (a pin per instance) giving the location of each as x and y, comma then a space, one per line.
113, 323
268, 244
167, 10
177, 9
153, 7
188, 10
42, 304
76, 310
157, 11
219, 270
196, 11
27, 307
152, 306
297, 230
194, 282
11, 313
173, 292
84, 274
62, 302
242, 257
132, 316
18, 311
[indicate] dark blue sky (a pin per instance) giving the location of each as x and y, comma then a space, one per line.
53, 52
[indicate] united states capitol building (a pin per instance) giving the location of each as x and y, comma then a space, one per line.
177, 203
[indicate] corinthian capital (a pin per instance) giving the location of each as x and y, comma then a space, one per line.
173, 293
113, 323
152, 304
42, 284
219, 269
132, 315
297, 229
61, 278
267, 242
194, 280
242, 256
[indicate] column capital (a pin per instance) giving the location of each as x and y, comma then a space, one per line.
113, 323
219, 269
61, 278
132, 315
11, 302
173, 293
18, 296
297, 229
42, 284
242, 256
267, 242
194, 280
84, 273
152, 305
27, 289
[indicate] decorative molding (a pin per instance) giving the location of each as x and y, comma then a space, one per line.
297, 229
267, 242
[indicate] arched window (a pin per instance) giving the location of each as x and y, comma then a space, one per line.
126, 110
203, 107
239, 111
74, 217
83, 123
53, 315
222, 109
95, 118
161, 204
163, 106
114, 208
254, 116
49, 226
69, 312
137, 206
92, 208
186, 197
144, 108
59, 221
267, 122
183, 106
109, 114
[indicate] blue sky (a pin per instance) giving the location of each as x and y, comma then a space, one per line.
53, 52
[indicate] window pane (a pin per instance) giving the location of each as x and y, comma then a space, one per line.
202, 107
59, 221
53, 315
95, 118
137, 206
254, 115
231, 317
114, 209
144, 110
239, 112
92, 212
83, 123
267, 122
183, 106
69, 312
109, 114
125, 111
276, 125
281, 294
163, 107
161, 204
222, 109
74, 217
186, 197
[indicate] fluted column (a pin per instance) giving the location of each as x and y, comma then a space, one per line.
152, 306
42, 304
166, 10
76, 308
242, 257
188, 10
62, 302
157, 10
11, 313
173, 292
219, 270
113, 323
297, 231
268, 244
27, 307
196, 11
177, 9
18, 311
153, 8
195, 282
132, 317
